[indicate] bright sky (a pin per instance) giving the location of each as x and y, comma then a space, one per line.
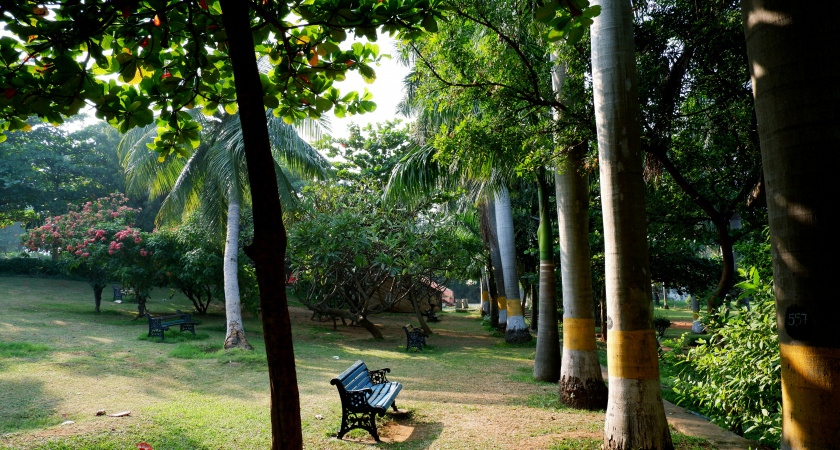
387, 90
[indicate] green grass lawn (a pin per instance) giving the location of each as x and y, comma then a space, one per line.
60, 362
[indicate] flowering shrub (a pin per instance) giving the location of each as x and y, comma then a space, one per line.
95, 241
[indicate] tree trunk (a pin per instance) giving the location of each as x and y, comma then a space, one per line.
423, 325
581, 384
727, 277
547, 359
535, 308
368, 325
498, 270
516, 330
493, 293
635, 415
795, 67
665, 298
97, 298
268, 249
233, 310
603, 304
485, 296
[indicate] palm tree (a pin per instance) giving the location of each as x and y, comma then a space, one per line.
214, 180
516, 331
581, 383
547, 358
795, 69
635, 414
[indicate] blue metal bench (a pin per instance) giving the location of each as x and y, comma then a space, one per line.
364, 394
158, 325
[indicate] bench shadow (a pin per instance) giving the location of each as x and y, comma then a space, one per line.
402, 428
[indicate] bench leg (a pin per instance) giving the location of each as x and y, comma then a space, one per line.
365, 421
188, 327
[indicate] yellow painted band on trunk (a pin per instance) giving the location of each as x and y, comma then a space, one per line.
810, 395
485, 296
632, 354
502, 302
514, 307
578, 334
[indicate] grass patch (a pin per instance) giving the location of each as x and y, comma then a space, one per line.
174, 337
577, 444
22, 350
194, 395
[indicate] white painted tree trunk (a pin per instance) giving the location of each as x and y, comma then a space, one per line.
635, 415
794, 60
516, 330
498, 270
235, 337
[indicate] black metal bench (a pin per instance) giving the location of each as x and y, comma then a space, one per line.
415, 338
364, 394
431, 316
120, 291
158, 325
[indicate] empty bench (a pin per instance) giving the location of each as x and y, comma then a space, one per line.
364, 394
158, 325
414, 337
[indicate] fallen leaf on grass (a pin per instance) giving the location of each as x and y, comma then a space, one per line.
101, 412
319, 417
120, 414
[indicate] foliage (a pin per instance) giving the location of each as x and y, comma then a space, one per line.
754, 251
734, 377
370, 152
191, 261
31, 267
96, 241
45, 169
348, 249
173, 56
661, 324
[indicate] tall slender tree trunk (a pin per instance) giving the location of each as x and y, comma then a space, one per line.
233, 311
493, 294
516, 330
498, 270
547, 359
581, 383
795, 68
485, 295
635, 415
268, 249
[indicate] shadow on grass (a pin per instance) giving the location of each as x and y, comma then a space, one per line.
169, 440
26, 406
174, 337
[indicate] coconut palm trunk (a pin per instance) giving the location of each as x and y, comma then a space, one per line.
581, 383
635, 414
547, 358
498, 270
235, 337
516, 331
484, 287
795, 68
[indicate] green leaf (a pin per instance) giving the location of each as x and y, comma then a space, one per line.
230, 108
547, 12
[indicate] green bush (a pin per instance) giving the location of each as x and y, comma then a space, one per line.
661, 324
734, 377
32, 267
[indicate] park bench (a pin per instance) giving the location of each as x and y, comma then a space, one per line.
157, 325
415, 338
364, 394
119, 291
431, 316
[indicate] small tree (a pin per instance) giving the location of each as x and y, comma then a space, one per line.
80, 238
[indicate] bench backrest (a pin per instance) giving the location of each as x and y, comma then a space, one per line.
355, 377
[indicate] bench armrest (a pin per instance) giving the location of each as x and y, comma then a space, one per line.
378, 376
